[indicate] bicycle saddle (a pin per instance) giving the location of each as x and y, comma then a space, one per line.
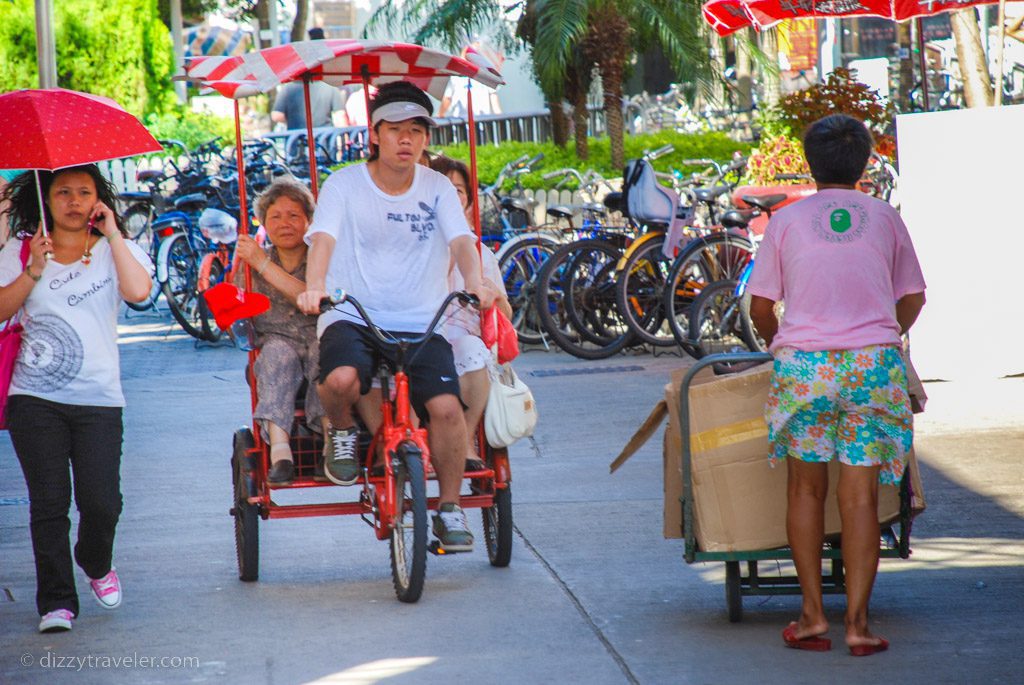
613, 201
738, 218
135, 196
765, 202
593, 207
560, 211
191, 200
709, 194
148, 175
515, 203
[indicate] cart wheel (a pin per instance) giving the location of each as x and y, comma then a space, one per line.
733, 591
409, 534
498, 528
246, 515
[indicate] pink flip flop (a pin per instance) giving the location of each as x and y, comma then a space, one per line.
868, 650
812, 643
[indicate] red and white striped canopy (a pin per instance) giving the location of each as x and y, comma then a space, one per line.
338, 62
726, 16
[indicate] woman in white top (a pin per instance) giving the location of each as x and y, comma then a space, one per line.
65, 400
462, 329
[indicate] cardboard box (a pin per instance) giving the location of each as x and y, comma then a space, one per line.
739, 499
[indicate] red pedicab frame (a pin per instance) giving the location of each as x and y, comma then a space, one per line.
368, 62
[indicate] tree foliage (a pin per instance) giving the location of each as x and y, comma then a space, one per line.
121, 50
841, 93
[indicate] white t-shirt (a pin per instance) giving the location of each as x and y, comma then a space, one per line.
466, 320
391, 251
69, 347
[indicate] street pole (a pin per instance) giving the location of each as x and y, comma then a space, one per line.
177, 38
999, 55
46, 50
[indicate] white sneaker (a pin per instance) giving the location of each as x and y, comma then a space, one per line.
107, 590
56, 621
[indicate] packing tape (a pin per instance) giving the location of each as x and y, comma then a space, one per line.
723, 436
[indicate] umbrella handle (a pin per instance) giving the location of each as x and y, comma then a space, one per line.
42, 212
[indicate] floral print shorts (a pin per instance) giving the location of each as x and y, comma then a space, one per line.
850, 404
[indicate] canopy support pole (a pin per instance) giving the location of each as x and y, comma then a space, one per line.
923, 60
364, 72
474, 185
243, 205
310, 144
243, 226
999, 55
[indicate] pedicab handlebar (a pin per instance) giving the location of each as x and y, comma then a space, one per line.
384, 337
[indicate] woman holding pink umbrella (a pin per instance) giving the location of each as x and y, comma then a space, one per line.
65, 400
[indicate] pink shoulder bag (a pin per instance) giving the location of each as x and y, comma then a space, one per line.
10, 345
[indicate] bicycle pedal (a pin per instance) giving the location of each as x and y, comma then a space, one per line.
437, 549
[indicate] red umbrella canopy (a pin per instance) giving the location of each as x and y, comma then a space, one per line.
56, 128
726, 16
338, 62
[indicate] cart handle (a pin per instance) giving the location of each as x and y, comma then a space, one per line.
690, 544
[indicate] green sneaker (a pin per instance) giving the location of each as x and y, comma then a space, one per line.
451, 529
340, 463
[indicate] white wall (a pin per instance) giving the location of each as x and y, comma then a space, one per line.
961, 182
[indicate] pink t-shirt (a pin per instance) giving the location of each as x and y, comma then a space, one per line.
840, 260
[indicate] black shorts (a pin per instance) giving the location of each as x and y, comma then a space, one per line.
431, 374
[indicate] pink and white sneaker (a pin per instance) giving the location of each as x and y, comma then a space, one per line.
107, 590
58, 620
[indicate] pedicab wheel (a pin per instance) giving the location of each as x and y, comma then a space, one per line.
409, 534
733, 591
246, 515
498, 528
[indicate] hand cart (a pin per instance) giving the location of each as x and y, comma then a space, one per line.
738, 584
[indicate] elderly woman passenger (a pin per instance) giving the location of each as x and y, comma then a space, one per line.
289, 352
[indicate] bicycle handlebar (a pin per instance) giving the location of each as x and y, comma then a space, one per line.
341, 297
660, 152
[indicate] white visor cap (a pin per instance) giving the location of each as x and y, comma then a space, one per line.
400, 111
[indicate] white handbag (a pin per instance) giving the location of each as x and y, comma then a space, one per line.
511, 410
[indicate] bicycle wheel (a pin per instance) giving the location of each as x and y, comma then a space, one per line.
181, 287
705, 260
639, 293
409, 534
575, 290
498, 528
246, 515
519, 265
137, 221
750, 335
716, 319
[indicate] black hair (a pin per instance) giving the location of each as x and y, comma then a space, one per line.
23, 200
837, 148
398, 91
316, 33
448, 166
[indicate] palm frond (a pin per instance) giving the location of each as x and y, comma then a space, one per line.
561, 24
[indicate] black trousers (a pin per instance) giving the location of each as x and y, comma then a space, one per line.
57, 445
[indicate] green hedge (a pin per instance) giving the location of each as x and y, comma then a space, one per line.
118, 49
491, 158
191, 128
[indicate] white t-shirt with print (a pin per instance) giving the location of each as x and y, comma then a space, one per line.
391, 251
69, 347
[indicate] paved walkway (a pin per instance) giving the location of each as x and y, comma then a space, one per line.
594, 594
